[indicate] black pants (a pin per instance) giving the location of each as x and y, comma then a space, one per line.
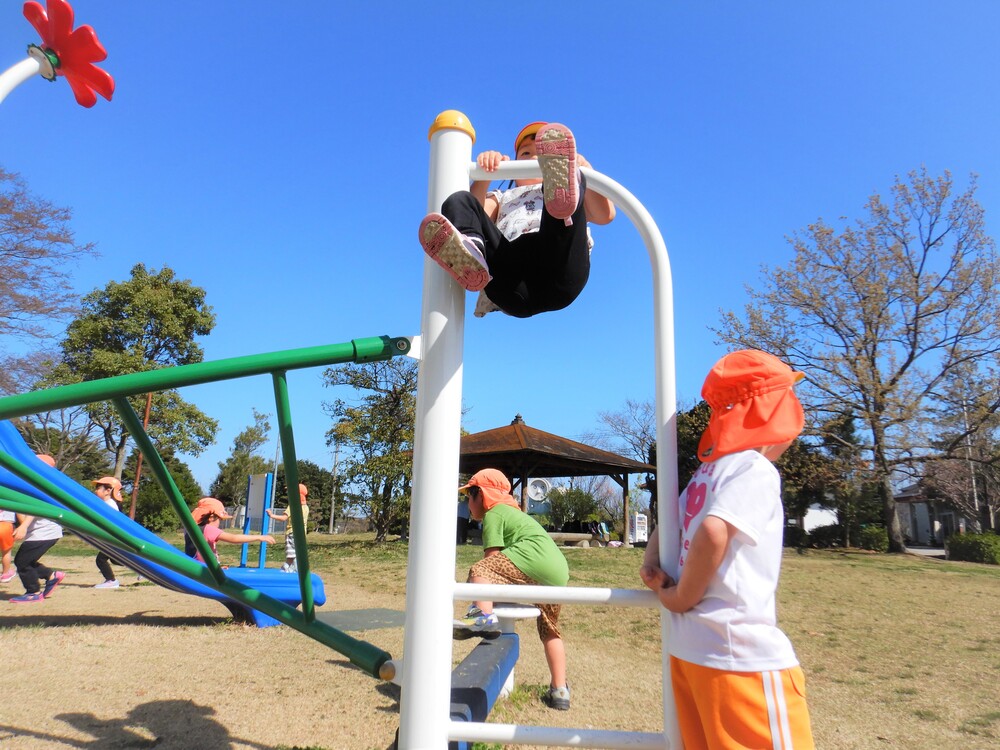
104, 565
538, 272
463, 530
28, 566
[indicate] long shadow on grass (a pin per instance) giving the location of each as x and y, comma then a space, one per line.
136, 618
165, 725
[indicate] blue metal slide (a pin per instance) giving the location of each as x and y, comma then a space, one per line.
278, 585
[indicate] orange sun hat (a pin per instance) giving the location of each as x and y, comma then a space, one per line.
209, 505
494, 486
114, 484
303, 494
753, 404
528, 130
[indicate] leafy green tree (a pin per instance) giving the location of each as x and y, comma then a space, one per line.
880, 314
850, 487
37, 253
152, 508
147, 322
571, 505
231, 483
377, 435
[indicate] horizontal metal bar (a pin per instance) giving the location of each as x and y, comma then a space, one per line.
505, 734
470, 592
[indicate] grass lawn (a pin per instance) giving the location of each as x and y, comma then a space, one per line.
898, 651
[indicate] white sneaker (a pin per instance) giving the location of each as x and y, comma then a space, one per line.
107, 585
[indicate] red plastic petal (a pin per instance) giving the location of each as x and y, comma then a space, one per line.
60, 24
92, 77
77, 50
36, 16
82, 91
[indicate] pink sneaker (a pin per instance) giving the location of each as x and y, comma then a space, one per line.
8, 576
556, 149
455, 253
27, 598
50, 585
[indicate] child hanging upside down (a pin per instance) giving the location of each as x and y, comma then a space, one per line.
526, 249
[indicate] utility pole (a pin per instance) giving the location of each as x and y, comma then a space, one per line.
333, 492
138, 460
972, 468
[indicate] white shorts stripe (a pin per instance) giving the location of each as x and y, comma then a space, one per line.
777, 711
772, 714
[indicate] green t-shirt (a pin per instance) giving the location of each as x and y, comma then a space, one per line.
526, 544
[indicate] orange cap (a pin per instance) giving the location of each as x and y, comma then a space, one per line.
46, 459
495, 488
209, 505
527, 130
753, 404
303, 494
114, 484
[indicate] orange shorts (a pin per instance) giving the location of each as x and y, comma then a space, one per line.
6, 536
720, 710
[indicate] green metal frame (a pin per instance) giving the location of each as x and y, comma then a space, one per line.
82, 519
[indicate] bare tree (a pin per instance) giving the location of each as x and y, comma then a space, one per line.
37, 253
879, 315
630, 431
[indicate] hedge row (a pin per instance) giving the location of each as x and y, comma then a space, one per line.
978, 548
870, 537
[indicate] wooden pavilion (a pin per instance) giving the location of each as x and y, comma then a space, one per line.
520, 452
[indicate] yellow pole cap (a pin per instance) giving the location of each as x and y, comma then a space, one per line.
452, 119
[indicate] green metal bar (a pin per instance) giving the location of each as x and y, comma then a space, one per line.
358, 350
35, 479
83, 520
166, 482
284, 412
20, 503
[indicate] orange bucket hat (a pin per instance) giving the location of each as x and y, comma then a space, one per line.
753, 404
303, 494
209, 505
114, 484
528, 130
494, 486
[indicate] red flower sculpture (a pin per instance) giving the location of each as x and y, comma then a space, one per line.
75, 51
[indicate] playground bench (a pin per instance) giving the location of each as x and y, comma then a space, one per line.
578, 539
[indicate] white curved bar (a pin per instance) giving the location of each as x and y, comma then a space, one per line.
666, 386
15, 75
506, 734
555, 595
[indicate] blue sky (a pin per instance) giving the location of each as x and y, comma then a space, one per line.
276, 154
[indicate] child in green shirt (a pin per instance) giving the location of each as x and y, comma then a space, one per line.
516, 551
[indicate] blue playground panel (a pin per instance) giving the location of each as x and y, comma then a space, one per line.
477, 681
272, 582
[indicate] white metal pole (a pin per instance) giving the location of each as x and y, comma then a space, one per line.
15, 75
426, 686
666, 387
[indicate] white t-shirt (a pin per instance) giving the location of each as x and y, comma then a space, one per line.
42, 529
734, 627
8, 516
519, 211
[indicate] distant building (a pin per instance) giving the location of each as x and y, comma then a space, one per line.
926, 521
